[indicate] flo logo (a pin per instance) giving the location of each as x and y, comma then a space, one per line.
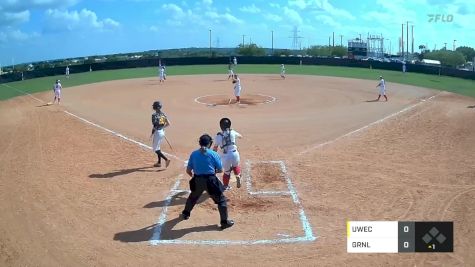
440, 18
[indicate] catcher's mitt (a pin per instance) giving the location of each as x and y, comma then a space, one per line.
234, 81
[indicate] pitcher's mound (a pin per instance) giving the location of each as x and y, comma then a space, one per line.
221, 100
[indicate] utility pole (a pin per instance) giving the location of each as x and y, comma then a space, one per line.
243, 40
333, 39
454, 44
445, 45
329, 40
341, 40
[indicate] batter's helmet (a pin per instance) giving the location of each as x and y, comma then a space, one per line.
157, 105
206, 140
225, 123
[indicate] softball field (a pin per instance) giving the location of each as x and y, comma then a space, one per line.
78, 186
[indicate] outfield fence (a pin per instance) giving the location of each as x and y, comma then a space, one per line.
153, 62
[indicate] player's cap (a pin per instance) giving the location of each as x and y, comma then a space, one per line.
380, 77
58, 81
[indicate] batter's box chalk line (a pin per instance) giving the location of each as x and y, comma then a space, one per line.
285, 239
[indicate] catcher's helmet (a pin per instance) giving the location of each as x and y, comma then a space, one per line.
206, 140
157, 105
225, 123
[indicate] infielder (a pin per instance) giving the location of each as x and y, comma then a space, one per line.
235, 61
237, 88
57, 91
162, 74
282, 71
159, 122
382, 88
226, 141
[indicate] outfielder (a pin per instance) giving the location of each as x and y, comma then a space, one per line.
159, 122
67, 72
282, 71
162, 74
57, 91
237, 88
230, 71
226, 141
382, 88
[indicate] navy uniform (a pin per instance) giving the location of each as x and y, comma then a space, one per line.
203, 165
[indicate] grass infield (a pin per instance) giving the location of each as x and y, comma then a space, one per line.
456, 85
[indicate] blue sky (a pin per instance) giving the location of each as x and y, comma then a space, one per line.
32, 30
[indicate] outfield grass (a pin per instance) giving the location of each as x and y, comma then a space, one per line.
456, 85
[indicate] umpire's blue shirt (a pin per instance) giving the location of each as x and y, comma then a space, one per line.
204, 163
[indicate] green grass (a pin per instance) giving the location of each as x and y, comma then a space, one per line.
456, 85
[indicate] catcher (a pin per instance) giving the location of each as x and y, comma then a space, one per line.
159, 122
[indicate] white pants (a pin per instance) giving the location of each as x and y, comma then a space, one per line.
57, 93
237, 91
157, 139
382, 91
230, 159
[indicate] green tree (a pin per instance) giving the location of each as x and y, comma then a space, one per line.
250, 50
468, 52
446, 57
282, 52
319, 51
339, 51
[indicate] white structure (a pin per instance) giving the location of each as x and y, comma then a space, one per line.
431, 62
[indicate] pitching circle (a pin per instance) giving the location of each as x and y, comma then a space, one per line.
224, 100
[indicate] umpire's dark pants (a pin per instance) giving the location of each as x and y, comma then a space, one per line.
215, 189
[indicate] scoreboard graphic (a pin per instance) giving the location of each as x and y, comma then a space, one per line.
399, 236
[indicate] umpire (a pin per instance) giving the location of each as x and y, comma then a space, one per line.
203, 165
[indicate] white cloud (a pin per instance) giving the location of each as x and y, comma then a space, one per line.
302, 4
208, 2
323, 7
219, 18
274, 5
63, 20
273, 17
11, 35
22, 5
154, 29
328, 20
250, 9
293, 16
10, 18
176, 10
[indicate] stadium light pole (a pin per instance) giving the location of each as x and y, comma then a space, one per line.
209, 42
272, 42
341, 40
454, 44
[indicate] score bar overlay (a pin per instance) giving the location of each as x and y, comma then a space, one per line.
399, 237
